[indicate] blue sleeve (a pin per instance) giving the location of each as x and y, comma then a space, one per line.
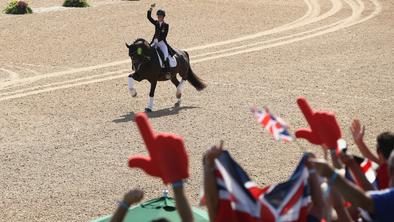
384, 205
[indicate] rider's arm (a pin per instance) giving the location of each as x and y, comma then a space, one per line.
149, 16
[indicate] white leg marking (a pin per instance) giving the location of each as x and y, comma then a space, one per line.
132, 90
179, 88
150, 103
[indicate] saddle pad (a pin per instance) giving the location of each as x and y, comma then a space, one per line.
172, 60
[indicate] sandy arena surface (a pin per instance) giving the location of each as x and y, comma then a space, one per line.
67, 119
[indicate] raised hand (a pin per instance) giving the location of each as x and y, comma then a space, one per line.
213, 153
167, 155
133, 196
324, 129
357, 131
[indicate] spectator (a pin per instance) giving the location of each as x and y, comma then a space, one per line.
317, 210
379, 204
130, 198
135, 196
168, 160
357, 173
210, 188
385, 145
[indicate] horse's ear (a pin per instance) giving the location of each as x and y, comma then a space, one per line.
128, 46
147, 44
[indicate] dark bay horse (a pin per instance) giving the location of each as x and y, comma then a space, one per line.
146, 65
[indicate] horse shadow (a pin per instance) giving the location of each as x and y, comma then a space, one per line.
155, 114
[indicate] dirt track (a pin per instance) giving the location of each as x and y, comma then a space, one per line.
67, 119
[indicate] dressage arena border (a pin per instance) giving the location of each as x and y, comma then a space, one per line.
312, 15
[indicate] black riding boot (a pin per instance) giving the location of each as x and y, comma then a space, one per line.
167, 69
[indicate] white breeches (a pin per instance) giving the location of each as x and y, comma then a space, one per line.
162, 46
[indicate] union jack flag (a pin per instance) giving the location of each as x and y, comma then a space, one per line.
241, 200
274, 125
368, 167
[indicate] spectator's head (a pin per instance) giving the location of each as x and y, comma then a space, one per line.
390, 162
385, 144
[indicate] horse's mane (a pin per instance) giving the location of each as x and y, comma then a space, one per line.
139, 40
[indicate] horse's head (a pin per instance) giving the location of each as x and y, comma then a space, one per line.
139, 52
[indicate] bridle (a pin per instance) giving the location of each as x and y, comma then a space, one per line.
138, 59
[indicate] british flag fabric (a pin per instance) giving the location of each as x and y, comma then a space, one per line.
369, 169
274, 125
241, 200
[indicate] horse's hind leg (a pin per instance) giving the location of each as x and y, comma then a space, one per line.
179, 89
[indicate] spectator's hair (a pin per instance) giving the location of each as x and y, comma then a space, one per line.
385, 143
390, 162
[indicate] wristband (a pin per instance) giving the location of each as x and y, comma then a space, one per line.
123, 205
333, 177
177, 184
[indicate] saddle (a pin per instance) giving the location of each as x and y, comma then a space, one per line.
172, 57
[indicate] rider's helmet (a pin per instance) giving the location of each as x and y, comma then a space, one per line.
161, 12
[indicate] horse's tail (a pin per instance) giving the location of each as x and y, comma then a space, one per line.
195, 80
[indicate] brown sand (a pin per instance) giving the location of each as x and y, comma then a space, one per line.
65, 136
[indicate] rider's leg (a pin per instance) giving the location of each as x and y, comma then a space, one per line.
154, 43
164, 49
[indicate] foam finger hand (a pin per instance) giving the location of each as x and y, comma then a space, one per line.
173, 158
144, 163
330, 131
308, 135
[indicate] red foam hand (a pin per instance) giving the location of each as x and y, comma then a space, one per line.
324, 128
167, 155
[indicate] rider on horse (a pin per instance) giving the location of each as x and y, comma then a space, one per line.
161, 31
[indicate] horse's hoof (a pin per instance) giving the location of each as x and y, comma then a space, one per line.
177, 104
178, 95
133, 92
147, 110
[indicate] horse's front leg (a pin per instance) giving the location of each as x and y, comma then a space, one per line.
149, 107
130, 81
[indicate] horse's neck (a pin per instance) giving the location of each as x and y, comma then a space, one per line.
154, 55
